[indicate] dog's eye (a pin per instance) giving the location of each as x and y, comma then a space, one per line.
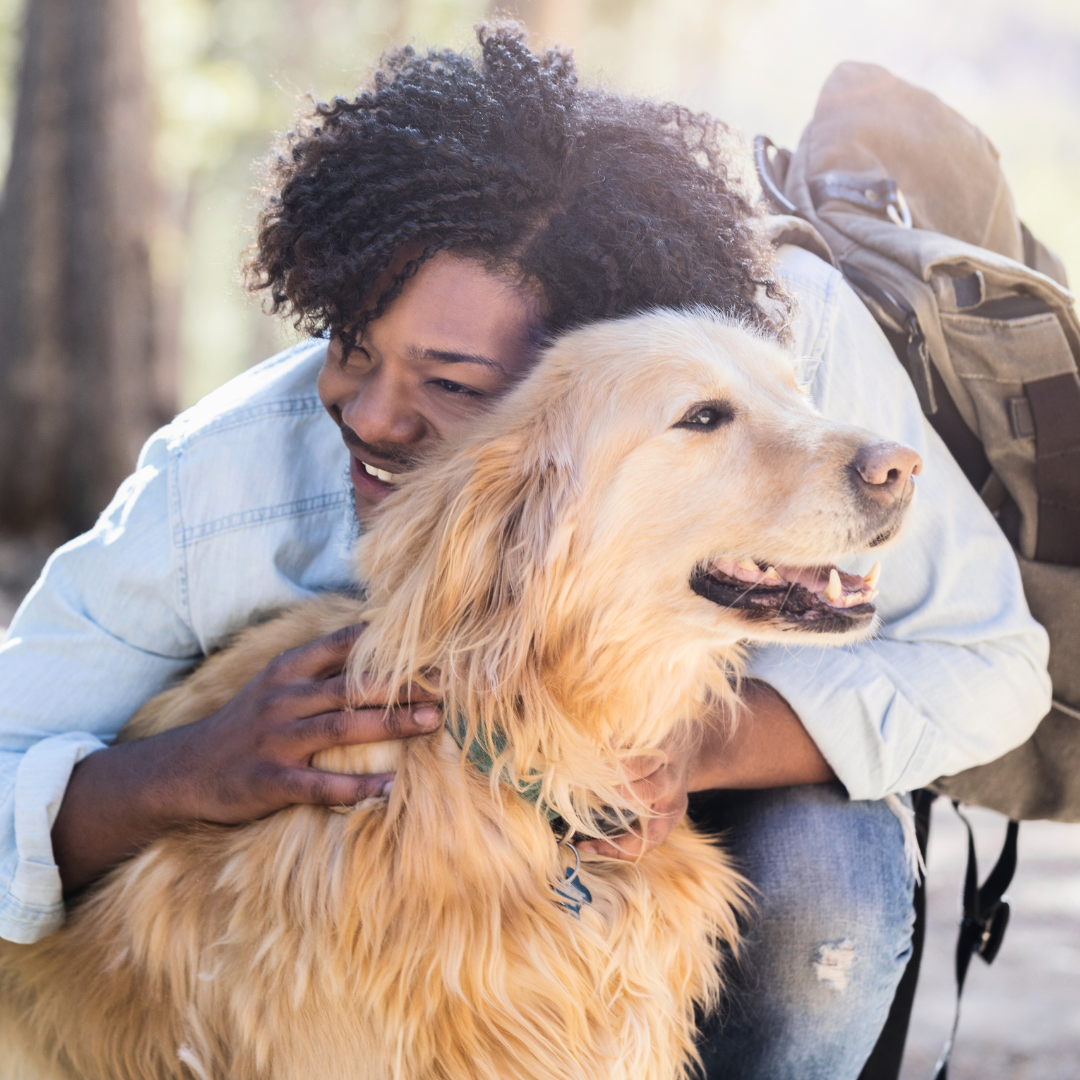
707, 416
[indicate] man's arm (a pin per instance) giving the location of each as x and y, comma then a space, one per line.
956, 675
244, 762
98, 635
766, 747
122, 612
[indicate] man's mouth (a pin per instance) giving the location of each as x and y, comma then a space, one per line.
814, 598
371, 481
380, 474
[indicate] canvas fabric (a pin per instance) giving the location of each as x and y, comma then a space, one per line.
908, 200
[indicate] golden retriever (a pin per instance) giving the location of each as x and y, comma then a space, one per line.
574, 578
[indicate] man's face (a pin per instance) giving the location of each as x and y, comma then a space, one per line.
457, 337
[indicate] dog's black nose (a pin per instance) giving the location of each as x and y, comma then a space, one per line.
884, 471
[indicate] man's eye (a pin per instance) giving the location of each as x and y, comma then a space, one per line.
707, 416
455, 388
358, 357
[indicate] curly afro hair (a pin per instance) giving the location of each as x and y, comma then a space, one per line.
608, 204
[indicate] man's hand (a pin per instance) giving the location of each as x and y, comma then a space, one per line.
253, 756
247, 760
767, 747
660, 786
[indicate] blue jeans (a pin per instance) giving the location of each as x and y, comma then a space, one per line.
830, 939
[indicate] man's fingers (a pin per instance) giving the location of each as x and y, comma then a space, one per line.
376, 693
347, 727
317, 788
626, 845
336, 693
604, 848
632, 844
323, 657
642, 766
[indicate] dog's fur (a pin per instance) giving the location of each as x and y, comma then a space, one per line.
537, 575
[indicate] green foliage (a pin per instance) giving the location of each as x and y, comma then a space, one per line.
227, 75
10, 19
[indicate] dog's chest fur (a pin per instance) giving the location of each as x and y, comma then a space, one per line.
413, 937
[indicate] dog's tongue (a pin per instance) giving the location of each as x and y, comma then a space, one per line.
835, 587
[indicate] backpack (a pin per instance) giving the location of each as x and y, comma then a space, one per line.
908, 201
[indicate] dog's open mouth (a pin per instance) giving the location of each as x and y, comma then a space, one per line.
824, 599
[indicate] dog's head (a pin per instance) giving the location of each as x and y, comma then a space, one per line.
657, 490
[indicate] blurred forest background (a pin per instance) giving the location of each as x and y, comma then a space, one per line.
130, 132
129, 136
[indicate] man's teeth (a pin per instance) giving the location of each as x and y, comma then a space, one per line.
381, 474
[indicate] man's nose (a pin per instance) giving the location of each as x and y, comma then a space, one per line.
883, 471
381, 412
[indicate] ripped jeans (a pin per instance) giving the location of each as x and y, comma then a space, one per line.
830, 939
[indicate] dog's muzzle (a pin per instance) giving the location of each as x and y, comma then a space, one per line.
814, 599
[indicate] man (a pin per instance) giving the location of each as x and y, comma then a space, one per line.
436, 229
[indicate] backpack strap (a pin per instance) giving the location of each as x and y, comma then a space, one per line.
770, 185
1055, 409
983, 920
915, 356
885, 1059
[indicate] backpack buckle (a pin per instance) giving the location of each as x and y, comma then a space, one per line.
985, 933
877, 196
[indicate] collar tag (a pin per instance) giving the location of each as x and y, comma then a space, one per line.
576, 891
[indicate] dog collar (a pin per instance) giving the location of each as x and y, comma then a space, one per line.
478, 755
575, 891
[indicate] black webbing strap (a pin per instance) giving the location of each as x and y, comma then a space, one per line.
914, 356
982, 924
767, 175
1055, 408
885, 1059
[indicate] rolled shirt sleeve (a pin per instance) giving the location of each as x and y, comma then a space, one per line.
956, 676
107, 609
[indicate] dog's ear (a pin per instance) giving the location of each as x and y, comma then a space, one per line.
461, 556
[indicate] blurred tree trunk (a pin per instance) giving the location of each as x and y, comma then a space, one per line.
77, 381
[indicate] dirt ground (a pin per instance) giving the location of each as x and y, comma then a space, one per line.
1021, 1017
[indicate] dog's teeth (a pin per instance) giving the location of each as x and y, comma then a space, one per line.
772, 575
864, 596
874, 576
834, 589
749, 566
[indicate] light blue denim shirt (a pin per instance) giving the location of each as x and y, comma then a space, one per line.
242, 504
